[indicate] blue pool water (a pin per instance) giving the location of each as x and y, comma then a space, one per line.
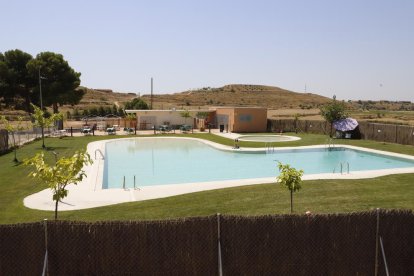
162, 161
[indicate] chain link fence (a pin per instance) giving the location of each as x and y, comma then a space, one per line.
339, 244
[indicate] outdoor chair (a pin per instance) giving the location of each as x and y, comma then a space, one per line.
86, 131
185, 128
111, 131
164, 128
129, 130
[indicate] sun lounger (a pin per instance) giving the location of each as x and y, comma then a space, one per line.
111, 131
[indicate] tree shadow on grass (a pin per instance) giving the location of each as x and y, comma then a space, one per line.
54, 148
17, 163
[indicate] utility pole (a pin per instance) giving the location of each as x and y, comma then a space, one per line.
151, 94
41, 108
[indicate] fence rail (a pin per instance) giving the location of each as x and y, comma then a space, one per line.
389, 133
339, 244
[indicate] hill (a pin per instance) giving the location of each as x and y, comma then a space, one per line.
104, 97
281, 103
238, 95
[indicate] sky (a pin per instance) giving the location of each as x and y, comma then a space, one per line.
354, 49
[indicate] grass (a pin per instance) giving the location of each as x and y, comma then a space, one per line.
319, 196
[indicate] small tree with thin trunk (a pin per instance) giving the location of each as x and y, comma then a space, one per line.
185, 114
129, 117
296, 121
333, 111
11, 129
291, 179
65, 171
41, 121
202, 115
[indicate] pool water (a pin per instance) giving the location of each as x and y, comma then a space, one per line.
162, 161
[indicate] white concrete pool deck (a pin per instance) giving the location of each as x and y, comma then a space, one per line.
89, 193
233, 136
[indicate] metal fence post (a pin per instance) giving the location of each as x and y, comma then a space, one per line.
377, 244
45, 262
384, 258
220, 265
396, 134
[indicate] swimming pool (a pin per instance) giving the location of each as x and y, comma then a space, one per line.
268, 138
164, 161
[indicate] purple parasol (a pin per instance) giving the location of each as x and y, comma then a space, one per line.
345, 124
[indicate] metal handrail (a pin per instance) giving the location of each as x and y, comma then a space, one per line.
342, 167
329, 143
269, 147
98, 150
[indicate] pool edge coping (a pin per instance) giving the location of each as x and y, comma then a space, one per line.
88, 194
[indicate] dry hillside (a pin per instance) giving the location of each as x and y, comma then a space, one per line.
281, 103
238, 95
104, 97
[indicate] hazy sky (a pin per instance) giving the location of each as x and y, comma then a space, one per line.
355, 49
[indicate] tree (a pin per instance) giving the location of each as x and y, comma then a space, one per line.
296, 121
129, 118
136, 103
291, 179
40, 120
114, 110
202, 114
85, 113
101, 111
11, 129
333, 111
108, 110
65, 171
61, 81
185, 114
15, 80
120, 112
93, 111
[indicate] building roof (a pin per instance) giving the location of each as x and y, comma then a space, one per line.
166, 110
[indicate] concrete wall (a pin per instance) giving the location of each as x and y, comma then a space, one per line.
234, 119
250, 120
146, 119
243, 119
225, 117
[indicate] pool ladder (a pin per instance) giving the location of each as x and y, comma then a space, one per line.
98, 150
126, 189
330, 143
342, 166
269, 147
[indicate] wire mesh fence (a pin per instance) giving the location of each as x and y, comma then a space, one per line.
22, 137
18, 138
340, 244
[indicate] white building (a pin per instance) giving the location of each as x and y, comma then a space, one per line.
147, 119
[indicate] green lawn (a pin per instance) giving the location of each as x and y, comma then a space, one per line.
319, 196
